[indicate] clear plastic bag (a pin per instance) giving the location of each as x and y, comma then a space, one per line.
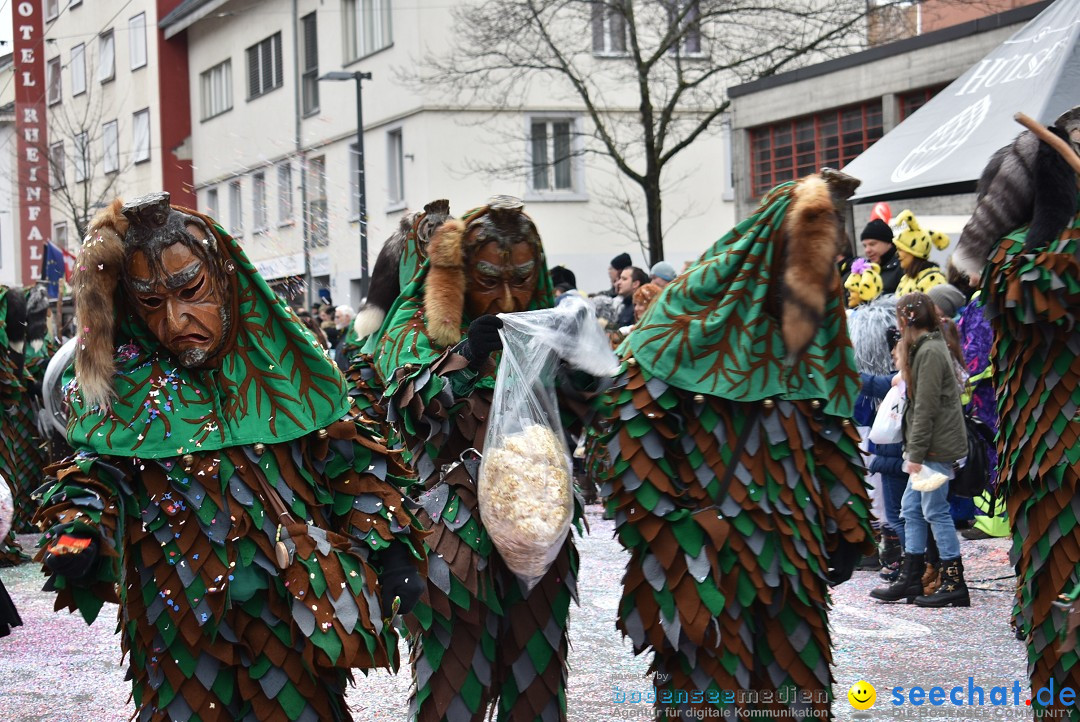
525, 489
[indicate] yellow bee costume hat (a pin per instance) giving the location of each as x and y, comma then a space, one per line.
913, 239
864, 284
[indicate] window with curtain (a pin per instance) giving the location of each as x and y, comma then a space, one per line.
395, 167
216, 90
106, 56
137, 41
212, 203
78, 69
140, 147
53, 81
57, 165
608, 28
285, 192
236, 209
258, 202
367, 27
60, 234
551, 141
264, 66
110, 156
319, 233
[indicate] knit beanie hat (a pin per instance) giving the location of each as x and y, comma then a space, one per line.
948, 298
621, 261
663, 270
914, 240
878, 230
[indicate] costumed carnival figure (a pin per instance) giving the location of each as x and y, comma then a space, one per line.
913, 245
1022, 242
736, 482
482, 643
223, 491
29, 443
13, 396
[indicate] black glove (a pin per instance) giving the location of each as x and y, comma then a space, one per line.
843, 561
482, 339
399, 578
72, 555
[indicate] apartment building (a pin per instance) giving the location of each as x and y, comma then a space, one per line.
273, 147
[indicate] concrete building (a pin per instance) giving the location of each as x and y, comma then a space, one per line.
272, 145
827, 114
117, 107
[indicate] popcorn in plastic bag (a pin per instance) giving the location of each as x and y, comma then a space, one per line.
525, 489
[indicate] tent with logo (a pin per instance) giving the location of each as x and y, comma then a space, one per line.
942, 148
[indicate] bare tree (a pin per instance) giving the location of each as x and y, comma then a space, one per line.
650, 75
85, 162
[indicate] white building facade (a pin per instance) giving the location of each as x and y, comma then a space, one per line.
273, 146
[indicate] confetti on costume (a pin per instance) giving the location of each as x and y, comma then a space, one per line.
1031, 295
175, 482
480, 640
744, 355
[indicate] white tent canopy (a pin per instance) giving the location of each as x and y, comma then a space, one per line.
943, 147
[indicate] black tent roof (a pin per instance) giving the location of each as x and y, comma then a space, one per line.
943, 147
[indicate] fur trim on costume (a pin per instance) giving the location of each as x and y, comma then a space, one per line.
385, 284
444, 291
812, 233
97, 274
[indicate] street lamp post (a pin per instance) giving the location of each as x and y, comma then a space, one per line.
361, 187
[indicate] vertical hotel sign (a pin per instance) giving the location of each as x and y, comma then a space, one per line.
30, 124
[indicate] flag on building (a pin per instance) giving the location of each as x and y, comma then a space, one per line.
59, 263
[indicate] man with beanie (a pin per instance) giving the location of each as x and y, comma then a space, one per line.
877, 243
948, 298
662, 273
618, 263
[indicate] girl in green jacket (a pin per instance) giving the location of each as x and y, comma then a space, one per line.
934, 437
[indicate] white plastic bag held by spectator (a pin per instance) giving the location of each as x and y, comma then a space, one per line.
525, 490
7, 507
888, 425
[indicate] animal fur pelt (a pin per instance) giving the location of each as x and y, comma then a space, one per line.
385, 282
97, 274
37, 310
1026, 181
866, 327
444, 290
813, 237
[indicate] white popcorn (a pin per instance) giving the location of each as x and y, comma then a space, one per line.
526, 500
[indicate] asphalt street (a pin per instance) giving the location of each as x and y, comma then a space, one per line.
55, 667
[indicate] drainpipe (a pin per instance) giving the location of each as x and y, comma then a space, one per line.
298, 114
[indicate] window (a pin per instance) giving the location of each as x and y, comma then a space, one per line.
53, 80
311, 64
217, 90
285, 190
110, 156
910, 102
236, 209
258, 198
52, 9
264, 66
794, 148
137, 40
688, 15
395, 168
106, 56
212, 203
59, 234
367, 27
140, 148
319, 233
74, 3
551, 142
82, 157
57, 164
78, 69
608, 28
